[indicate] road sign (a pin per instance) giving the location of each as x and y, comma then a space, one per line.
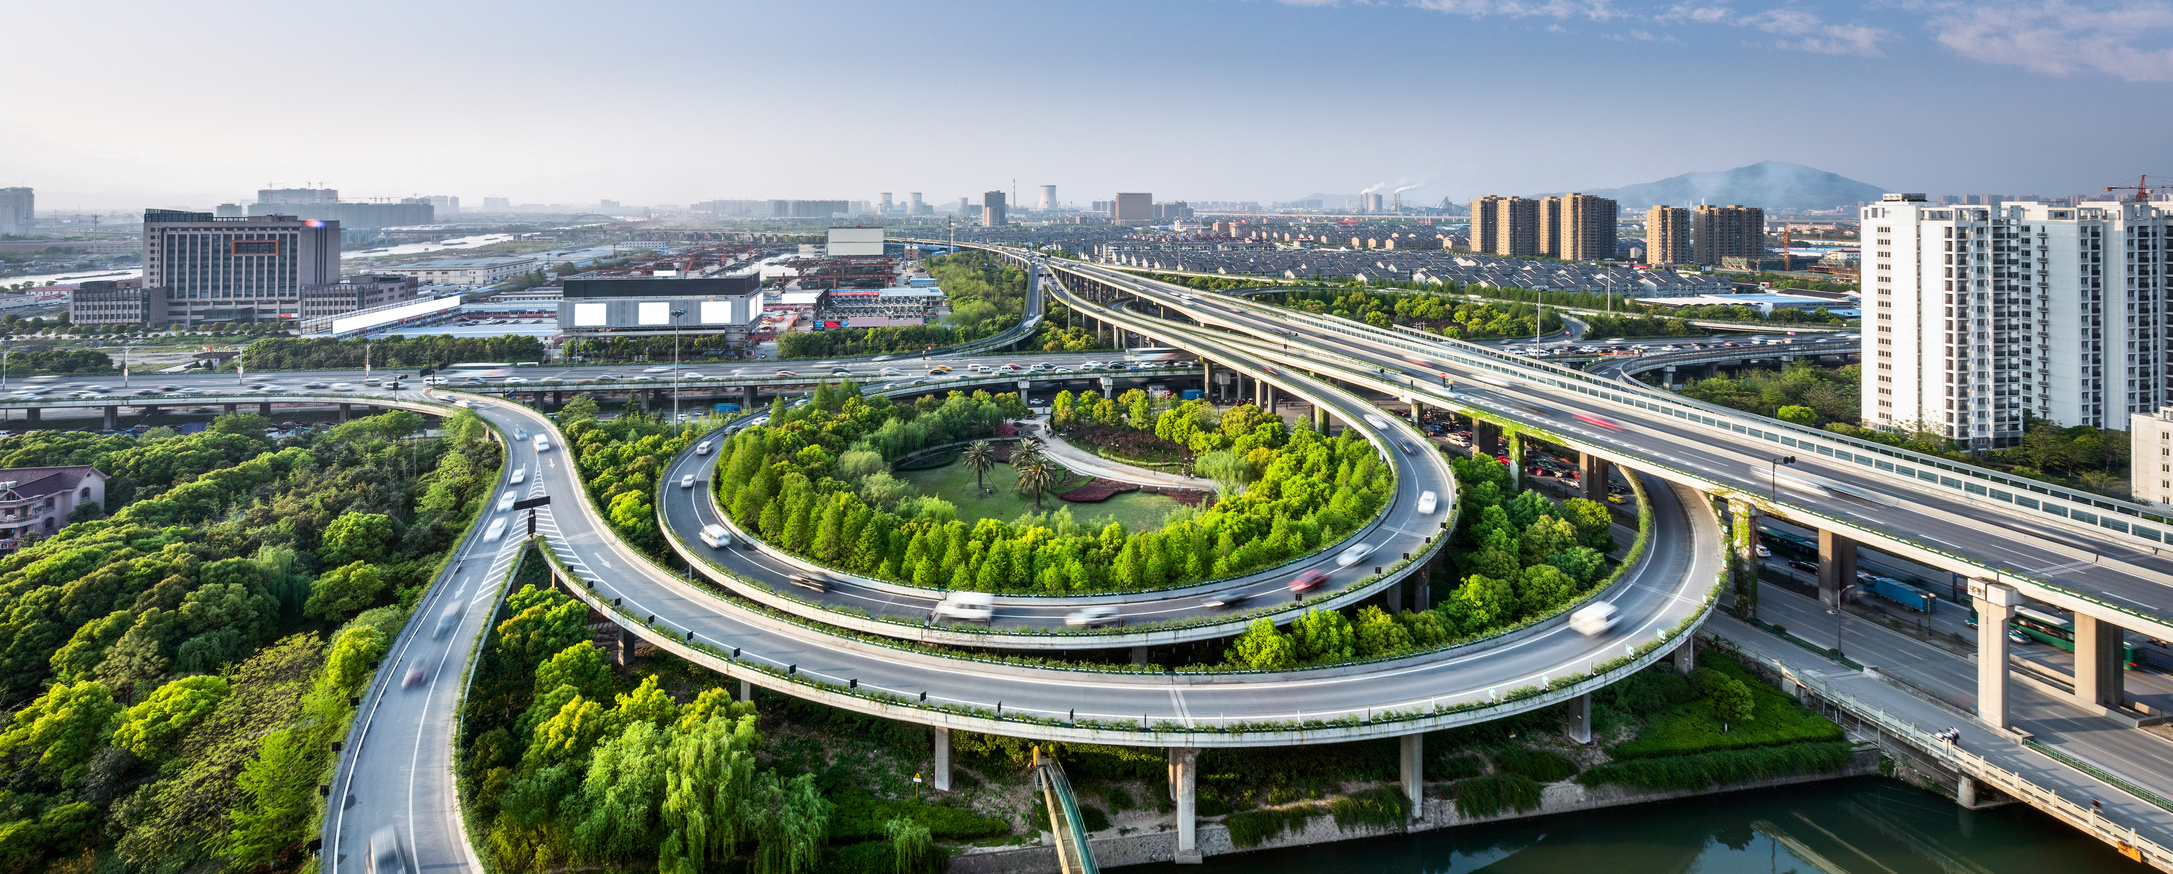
532, 502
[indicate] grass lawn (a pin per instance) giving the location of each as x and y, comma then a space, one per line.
1694, 728
954, 483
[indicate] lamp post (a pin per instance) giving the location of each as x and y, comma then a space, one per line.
1610, 292
1773, 472
675, 366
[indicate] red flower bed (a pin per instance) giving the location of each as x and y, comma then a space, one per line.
1097, 490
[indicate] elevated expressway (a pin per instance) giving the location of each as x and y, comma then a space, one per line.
2105, 560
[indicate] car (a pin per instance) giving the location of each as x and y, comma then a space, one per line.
505, 501
786, 373
686, 482
1091, 616
2017, 637
520, 474
1762, 551
691, 375
1354, 555
447, 620
385, 856
661, 368
1428, 502
840, 371
1804, 565
543, 444
966, 607
516, 380
1062, 370
703, 447
373, 381
607, 377
1224, 602
811, 581
1407, 448
169, 388
1615, 498
1092, 365
1375, 421
1307, 580
1601, 421
520, 433
1594, 620
892, 371
414, 676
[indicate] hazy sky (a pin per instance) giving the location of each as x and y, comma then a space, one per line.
132, 104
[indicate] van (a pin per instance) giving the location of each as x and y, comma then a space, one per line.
702, 448
811, 582
1595, 620
543, 444
716, 537
1427, 502
966, 607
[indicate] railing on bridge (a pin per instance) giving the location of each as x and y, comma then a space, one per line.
1074, 852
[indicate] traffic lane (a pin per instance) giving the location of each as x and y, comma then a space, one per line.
681, 607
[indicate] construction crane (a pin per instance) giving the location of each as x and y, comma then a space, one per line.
2141, 188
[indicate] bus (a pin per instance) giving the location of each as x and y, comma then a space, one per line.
1787, 545
2046, 628
1158, 353
456, 373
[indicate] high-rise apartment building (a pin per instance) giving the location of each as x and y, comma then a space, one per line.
2150, 456
1667, 235
18, 206
498, 204
199, 269
1550, 227
1505, 225
1132, 209
1976, 315
992, 209
1717, 232
1048, 198
1587, 228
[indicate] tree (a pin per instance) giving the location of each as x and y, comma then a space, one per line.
1263, 648
979, 459
581, 666
364, 537
277, 801
620, 796
153, 729
344, 591
1378, 633
1036, 474
1798, 414
1483, 602
708, 788
1323, 636
910, 845
57, 734
789, 835
1732, 699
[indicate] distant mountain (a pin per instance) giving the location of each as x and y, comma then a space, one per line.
1769, 184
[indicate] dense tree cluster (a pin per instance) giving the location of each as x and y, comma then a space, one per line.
621, 459
1829, 394
1448, 315
70, 362
1525, 555
815, 481
309, 353
564, 765
618, 350
182, 666
987, 296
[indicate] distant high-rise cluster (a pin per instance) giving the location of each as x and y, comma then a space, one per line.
1718, 232
17, 207
1132, 209
1667, 235
1573, 227
1505, 226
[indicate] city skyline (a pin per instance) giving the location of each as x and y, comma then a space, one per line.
1350, 96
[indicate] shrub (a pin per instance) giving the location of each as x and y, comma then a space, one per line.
860, 816
1093, 817
1701, 770
1454, 766
1381, 807
1545, 766
1497, 793
1694, 727
1255, 827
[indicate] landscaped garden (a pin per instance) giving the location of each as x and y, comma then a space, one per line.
995, 494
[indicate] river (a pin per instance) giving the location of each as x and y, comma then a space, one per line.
1861, 826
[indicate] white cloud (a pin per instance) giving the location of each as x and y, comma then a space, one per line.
2058, 38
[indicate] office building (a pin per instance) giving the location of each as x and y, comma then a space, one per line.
1048, 198
635, 306
1717, 232
38, 500
821, 209
18, 208
349, 215
298, 196
1172, 211
1978, 315
200, 269
2150, 456
1587, 228
470, 272
229, 210
109, 302
1667, 235
1132, 209
992, 209
915, 206
362, 291
1505, 225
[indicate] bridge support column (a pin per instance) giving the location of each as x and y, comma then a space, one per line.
1320, 418
264, 408
1686, 657
1580, 719
1392, 597
558, 398
1207, 376
1995, 607
1139, 655
941, 778
1267, 392
1422, 593
230, 409
1516, 459
1592, 473
1184, 763
1418, 413
746, 397
1412, 773
746, 691
1836, 567
2099, 662
1743, 543
1965, 791
347, 411
149, 412
113, 417
31, 414
1485, 437
1667, 377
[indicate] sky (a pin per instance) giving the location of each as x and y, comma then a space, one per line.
125, 105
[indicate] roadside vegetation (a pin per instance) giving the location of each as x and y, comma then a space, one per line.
1454, 295
987, 296
297, 353
181, 659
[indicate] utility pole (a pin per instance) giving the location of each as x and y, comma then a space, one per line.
675, 366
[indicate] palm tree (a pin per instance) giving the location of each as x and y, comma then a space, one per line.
979, 459
1036, 474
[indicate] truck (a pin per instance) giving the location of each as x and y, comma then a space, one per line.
1193, 394
1901, 593
722, 407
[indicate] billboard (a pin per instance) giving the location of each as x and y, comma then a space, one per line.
846, 242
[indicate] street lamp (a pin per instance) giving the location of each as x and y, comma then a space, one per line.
675, 366
1773, 472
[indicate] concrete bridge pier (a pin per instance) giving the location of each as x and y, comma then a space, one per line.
1184, 764
1418, 413
230, 408
1686, 657
1743, 538
1995, 608
1207, 376
1965, 792
1836, 567
746, 397
941, 776
558, 398
1485, 437
2100, 663
31, 414
1580, 719
113, 417
264, 408
1667, 377
150, 411
1592, 473
747, 693
1411, 773
1320, 419
347, 411
1516, 459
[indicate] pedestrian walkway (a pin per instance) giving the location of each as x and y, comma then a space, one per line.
1088, 463
2120, 813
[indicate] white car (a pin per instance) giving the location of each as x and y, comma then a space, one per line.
1375, 421
1427, 502
967, 607
1354, 555
343, 386
543, 444
1091, 616
1595, 620
520, 474
686, 482
505, 501
702, 448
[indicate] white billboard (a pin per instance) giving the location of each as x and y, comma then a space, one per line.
716, 312
854, 241
589, 315
654, 313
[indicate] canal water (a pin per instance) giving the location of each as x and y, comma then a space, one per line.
1860, 826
